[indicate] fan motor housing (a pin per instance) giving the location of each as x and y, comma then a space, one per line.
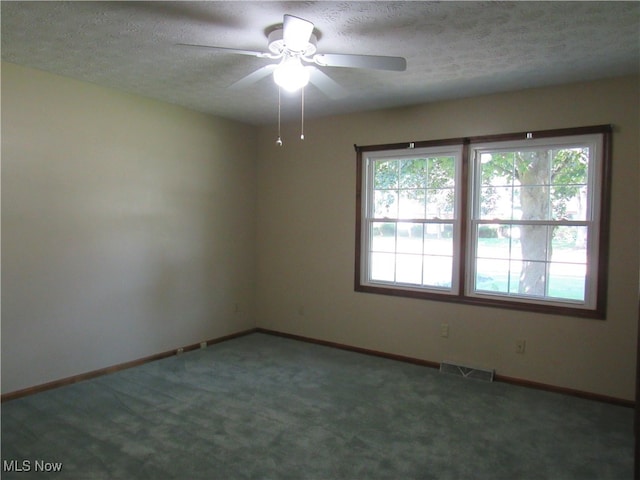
277, 46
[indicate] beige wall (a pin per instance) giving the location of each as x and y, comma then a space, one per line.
128, 230
306, 211
127, 227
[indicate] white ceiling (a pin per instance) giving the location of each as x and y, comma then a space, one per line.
453, 49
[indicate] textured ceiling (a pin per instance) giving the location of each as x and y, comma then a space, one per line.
453, 49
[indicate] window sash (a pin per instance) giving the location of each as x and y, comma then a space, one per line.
402, 248
551, 266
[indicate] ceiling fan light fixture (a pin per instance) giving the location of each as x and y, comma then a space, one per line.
294, 42
291, 75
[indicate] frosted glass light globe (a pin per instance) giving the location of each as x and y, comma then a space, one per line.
291, 75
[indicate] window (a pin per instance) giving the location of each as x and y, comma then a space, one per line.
516, 220
411, 217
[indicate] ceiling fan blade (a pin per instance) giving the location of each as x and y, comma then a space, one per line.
397, 64
251, 53
296, 33
326, 84
253, 77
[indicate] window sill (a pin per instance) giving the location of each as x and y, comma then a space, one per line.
599, 313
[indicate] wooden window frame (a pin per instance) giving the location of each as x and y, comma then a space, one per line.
604, 177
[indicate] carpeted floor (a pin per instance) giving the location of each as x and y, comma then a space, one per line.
264, 407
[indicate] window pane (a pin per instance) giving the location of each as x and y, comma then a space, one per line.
409, 269
438, 271
534, 202
534, 242
531, 278
385, 204
568, 270
567, 280
569, 245
498, 241
438, 259
569, 183
413, 173
438, 239
383, 266
409, 237
383, 237
441, 172
492, 275
570, 166
412, 203
440, 203
569, 202
497, 168
501, 202
385, 174
532, 167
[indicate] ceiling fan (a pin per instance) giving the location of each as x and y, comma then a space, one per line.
293, 44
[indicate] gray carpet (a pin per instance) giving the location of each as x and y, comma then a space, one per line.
264, 407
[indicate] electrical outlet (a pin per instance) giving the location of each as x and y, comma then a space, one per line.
444, 330
203, 344
520, 346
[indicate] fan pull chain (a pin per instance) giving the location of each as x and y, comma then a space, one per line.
279, 140
302, 117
